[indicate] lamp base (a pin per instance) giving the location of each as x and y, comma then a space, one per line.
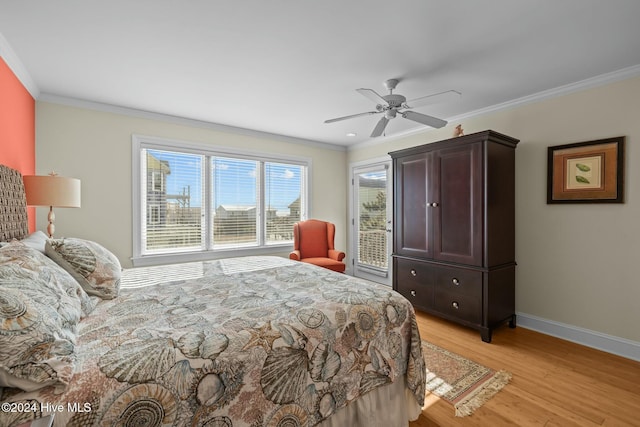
51, 217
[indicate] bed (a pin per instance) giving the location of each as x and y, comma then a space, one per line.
252, 341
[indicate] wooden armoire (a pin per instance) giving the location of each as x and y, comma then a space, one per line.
454, 229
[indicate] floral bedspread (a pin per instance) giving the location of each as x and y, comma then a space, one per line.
236, 343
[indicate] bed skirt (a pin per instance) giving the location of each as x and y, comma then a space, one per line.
390, 406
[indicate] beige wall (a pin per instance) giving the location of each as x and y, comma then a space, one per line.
576, 263
95, 146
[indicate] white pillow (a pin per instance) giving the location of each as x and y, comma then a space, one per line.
36, 240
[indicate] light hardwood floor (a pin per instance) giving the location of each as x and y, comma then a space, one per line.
555, 382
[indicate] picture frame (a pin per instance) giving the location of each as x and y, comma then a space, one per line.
586, 172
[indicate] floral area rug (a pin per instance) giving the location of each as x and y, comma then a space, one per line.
464, 383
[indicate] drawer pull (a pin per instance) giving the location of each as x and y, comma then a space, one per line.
434, 204
413, 273
455, 281
413, 293
455, 305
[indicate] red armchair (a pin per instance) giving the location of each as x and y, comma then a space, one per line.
313, 243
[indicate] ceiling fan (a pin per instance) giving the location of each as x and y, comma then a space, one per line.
394, 104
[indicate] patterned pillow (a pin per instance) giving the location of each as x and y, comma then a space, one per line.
96, 269
40, 307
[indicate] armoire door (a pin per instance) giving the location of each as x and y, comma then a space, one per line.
458, 214
412, 210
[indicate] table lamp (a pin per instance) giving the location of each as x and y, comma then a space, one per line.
53, 191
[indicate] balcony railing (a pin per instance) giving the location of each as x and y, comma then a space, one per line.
372, 248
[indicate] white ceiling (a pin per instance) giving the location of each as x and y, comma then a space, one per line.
285, 66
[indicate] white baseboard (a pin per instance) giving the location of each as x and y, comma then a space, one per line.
609, 343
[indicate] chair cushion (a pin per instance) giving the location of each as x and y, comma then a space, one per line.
313, 239
326, 263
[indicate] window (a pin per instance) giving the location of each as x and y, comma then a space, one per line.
235, 202
200, 200
283, 199
173, 213
156, 180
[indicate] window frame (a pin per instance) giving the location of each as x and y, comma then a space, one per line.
140, 142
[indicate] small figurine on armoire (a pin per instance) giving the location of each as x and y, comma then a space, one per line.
458, 131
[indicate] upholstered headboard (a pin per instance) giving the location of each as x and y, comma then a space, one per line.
13, 205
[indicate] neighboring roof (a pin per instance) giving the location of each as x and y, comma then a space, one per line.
236, 208
155, 163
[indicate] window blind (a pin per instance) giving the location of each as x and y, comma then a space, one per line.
235, 202
173, 195
283, 194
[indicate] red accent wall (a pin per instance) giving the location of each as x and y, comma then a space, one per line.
17, 127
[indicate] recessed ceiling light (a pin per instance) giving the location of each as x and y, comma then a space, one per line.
352, 134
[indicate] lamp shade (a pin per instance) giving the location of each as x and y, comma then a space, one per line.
52, 190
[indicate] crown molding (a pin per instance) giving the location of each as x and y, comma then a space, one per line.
601, 80
593, 82
18, 68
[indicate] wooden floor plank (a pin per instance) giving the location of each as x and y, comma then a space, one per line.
555, 382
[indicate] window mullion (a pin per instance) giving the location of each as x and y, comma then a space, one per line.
206, 204
261, 222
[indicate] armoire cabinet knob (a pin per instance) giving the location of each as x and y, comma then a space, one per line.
413, 293
455, 281
455, 305
413, 273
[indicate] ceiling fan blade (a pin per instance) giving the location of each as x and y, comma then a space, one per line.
337, 119
372, 95
382, 123
424, 119
448, 96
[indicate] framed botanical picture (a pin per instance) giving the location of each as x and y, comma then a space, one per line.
586, 172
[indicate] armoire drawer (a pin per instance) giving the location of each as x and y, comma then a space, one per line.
458, 293
414, 281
